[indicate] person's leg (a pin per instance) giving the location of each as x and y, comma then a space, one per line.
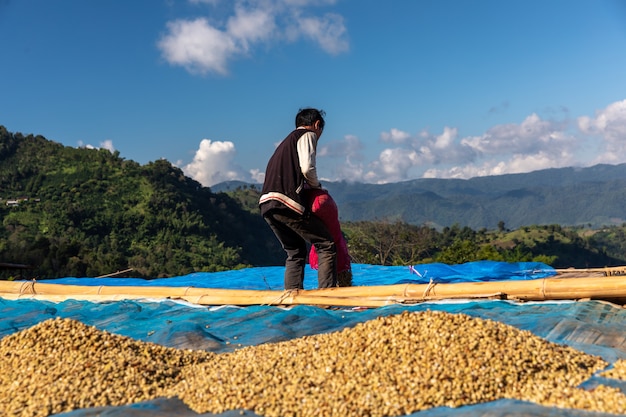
294, 246
327, 264
293, 231
344, 278
314, 230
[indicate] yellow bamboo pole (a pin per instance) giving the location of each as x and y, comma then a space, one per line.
606, 287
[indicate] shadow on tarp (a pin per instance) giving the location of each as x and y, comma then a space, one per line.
593, 327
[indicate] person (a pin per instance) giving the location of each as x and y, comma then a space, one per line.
283, 202
323, 206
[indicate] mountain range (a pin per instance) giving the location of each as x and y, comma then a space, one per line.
592, 196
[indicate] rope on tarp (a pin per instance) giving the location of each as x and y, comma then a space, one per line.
28, 287
430, 286
282, 297
405, 293
113, 274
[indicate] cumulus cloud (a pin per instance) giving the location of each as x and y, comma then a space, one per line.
257, 176
202, 46
349, 147
530, 145
610, 125
394, 164
415, 152
513, 164
213, 163
328, 31
396, 136
346, 156
533, 144
530, 136
106, 144
197, 46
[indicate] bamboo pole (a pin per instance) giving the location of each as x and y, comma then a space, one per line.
607, 287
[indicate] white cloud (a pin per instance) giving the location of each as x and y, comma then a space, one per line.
329, 32
349, 154
395, 163
532, 135
197, 46
513, 164
396, 136
610, 124
213, 163
510, 148
349, 147
205, 47
257, 176
250, 26
106, 144
530, 145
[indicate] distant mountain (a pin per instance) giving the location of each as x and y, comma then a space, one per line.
567, 196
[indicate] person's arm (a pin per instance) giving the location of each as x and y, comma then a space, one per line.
307, 145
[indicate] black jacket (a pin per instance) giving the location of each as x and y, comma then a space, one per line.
284, 180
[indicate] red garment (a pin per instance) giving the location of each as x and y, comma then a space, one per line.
323, 206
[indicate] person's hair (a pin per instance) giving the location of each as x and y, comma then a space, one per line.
308, 117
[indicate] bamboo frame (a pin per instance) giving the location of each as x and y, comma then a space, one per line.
605, 287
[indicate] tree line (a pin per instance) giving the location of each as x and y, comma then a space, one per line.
399, 243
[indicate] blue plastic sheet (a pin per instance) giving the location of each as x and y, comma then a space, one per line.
593, 327
271, 278
480, 271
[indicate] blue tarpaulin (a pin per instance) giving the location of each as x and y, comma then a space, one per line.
271, 278
593, 327
480, 271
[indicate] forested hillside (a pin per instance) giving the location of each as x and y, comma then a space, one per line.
87, 212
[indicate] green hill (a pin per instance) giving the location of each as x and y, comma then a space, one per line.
88, 212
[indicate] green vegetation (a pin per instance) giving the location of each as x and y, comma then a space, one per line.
88, 212
403, 244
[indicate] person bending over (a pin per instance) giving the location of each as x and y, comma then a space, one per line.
283, 203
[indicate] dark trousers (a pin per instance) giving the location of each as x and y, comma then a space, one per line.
294, 231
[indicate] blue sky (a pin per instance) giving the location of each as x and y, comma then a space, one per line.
411, 88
